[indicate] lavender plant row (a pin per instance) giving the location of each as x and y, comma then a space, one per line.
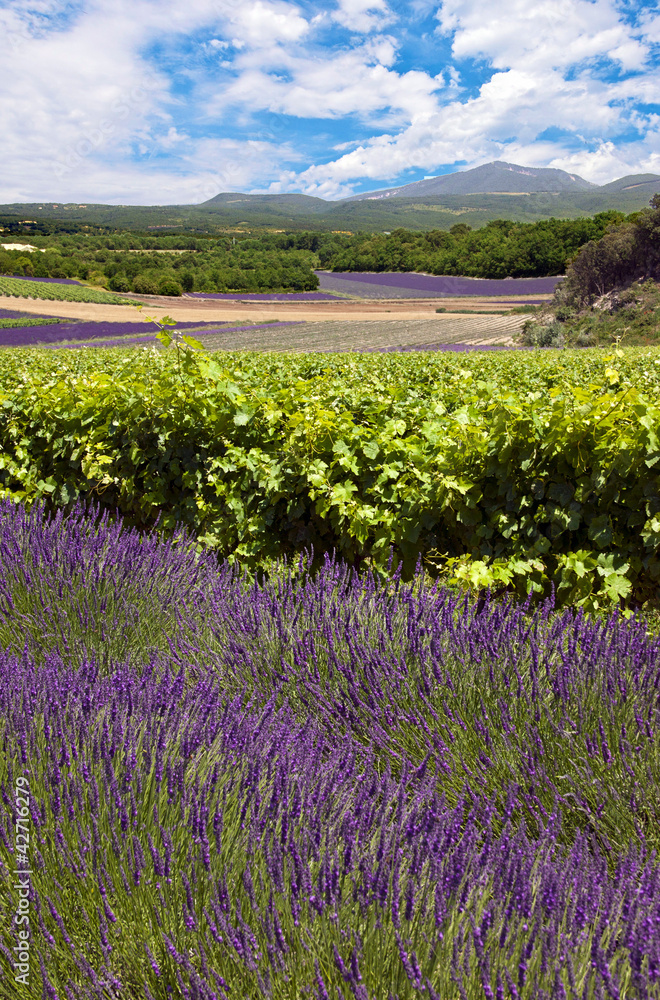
94, 330
16, 314
148, 340
51, 281
264, 296
393, 284
317, 786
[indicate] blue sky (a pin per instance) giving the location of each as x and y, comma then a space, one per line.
165, 102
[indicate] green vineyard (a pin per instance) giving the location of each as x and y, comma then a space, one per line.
528, 471
55, 292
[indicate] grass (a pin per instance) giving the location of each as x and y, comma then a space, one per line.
628, 316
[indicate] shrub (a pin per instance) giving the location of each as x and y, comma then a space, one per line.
547, 334
119, 283
143, 284
168, 286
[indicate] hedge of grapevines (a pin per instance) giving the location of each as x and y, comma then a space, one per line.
521, 471
55, 291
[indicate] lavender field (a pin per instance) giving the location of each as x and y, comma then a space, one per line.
409, 285
315, 787
263, 296
97, 333
52, 281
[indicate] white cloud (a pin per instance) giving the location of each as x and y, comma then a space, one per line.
363, 15
87, 112
358, 81
264, 24
547, 60
548, 33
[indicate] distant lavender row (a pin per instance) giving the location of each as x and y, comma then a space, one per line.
16, 314
130, 341
53, 281
411, 285
92, 330
264, 296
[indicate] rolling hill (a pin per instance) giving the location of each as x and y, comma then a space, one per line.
496, 190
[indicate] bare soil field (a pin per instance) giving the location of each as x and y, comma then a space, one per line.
357, 335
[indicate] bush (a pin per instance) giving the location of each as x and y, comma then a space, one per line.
548, 334
188, 281
143, 284
499, 486
168, 286
119, 283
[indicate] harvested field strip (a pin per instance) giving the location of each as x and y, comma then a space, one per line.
104, 339
352, 335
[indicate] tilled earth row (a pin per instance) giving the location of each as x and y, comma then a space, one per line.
332, 335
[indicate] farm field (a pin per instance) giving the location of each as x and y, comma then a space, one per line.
54, 290
393, 285
332, 335
315, 787
276, 756
292, 335
498, 469
202, 311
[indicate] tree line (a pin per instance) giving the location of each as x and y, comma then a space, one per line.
121, 264
282, 261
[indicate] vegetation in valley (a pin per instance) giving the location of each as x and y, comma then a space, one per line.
297, 212
137, 262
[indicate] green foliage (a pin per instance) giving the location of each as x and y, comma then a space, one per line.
630, 315
146, 265
626, 252
6, 324
498, 249
511, 471
168, 286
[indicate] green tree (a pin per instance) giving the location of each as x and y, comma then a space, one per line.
168, 286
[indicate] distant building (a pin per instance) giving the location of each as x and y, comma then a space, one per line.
20, 246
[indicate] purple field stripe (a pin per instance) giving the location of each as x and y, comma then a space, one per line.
121, 341
16, 314
264, 296
52, 281
440, 285
23, 336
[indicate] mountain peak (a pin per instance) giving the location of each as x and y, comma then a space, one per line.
498, 177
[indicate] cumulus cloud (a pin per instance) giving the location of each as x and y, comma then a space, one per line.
92, 109
546, 70
358, 81
363, 15
548, 33
264, 24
